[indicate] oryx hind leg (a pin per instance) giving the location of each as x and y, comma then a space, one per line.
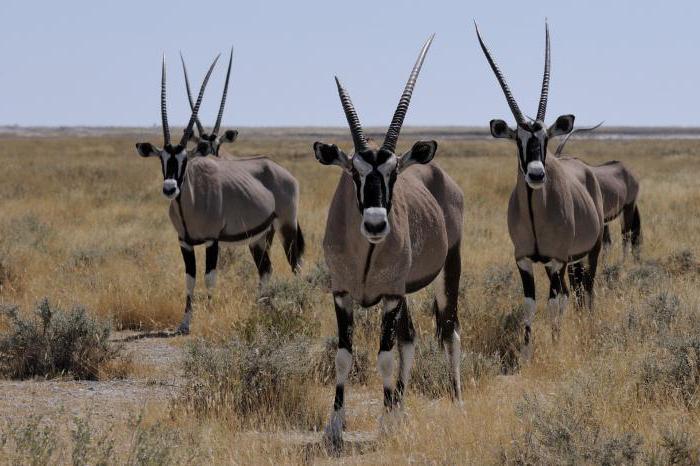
392, 306
558, 295
607, 239
589, 275
212, 258
446, 318
631, 230
260, 249
188, 257
293, 242
576, 271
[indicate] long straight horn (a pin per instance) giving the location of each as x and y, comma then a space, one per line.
223, 97
200, 129
392, 134
188, 130
164, 106
519, 118
542, 108
358, 135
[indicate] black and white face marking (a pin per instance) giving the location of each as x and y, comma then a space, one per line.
374, 173
173, 164
532, 139
532, 153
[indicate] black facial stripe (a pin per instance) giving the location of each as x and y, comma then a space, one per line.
374, 190
171, 167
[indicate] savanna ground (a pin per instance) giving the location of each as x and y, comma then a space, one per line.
85, 226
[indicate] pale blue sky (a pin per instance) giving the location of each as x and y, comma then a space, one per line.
76, 62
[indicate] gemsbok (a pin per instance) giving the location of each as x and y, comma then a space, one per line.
214, 199
555, 213
210, 143
394, 226
620, 188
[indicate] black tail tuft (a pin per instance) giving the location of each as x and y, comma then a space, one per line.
632, 228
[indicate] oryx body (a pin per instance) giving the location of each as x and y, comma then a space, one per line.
214, 199
394, 226
555, 213
620, 189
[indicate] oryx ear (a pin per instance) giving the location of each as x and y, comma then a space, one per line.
422, 152
501, 130
146, 149
563, 125
330, 154
229, 136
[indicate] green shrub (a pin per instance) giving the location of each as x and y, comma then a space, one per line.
54, 343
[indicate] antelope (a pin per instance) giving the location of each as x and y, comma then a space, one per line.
211, 142
620, 188
394, 226
555, 212
212, 199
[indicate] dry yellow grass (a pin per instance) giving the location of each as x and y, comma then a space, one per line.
84, 222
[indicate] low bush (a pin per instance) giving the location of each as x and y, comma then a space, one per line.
55, 343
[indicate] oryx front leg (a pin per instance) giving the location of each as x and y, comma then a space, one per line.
385, 358
558, 295
333, 434
529, 304
190, 280
210, 273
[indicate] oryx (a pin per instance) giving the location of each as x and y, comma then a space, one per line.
620, 188
555, 213
210, 143
394, 226
213, 199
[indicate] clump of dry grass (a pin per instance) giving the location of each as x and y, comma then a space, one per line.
261, 383
55, 343
431, 372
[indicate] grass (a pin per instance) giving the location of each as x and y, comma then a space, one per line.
84, 223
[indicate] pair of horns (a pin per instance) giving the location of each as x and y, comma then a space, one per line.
217, 125
392, 134
542, 107
195, 108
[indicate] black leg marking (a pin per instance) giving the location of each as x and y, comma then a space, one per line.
190, 262
294, 246
212, 256
260, 251
631, 229
210, 274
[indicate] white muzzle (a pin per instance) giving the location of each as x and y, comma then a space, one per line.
375, 224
